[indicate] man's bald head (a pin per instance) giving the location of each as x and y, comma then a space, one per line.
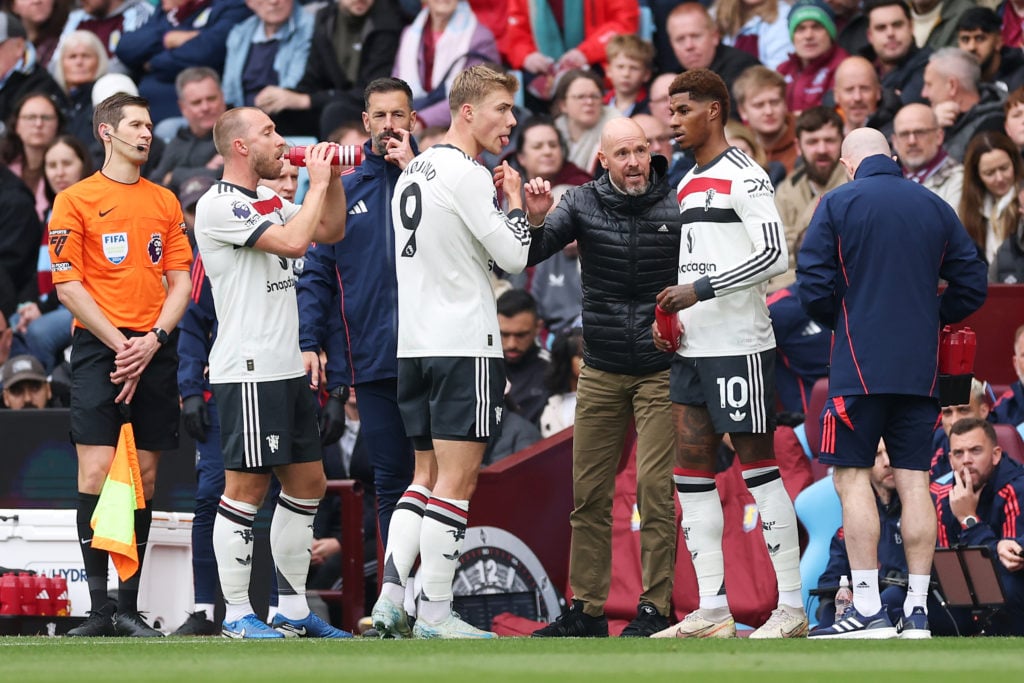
857, 91
626, 156
856, 68
861, 144
617, 129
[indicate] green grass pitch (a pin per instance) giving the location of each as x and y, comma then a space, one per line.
63, 660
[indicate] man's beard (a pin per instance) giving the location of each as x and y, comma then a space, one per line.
819, 177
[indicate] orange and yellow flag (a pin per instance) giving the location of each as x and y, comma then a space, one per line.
113, 520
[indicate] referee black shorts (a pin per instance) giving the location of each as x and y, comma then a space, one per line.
95, 418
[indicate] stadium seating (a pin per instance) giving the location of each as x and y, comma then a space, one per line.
1010, 441
819, 510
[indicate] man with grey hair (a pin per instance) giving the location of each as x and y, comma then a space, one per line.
868, 269
917, 138
962, 103
191, 152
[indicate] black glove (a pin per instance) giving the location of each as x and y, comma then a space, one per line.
332, 416
197, 417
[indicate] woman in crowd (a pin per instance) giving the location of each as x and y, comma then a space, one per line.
43, 21
989, 207
79, 61
1008, 265
32, 126
579, 98
443, 39
562, 377
45, 324
758, 27
541, 153
741, 137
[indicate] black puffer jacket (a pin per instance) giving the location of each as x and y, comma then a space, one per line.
629, 251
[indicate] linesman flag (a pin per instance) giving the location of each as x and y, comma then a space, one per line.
113, 520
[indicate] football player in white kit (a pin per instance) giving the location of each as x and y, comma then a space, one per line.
450, 233
722, 377
248, 235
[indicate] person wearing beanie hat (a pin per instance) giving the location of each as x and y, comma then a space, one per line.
811, 67
815, 10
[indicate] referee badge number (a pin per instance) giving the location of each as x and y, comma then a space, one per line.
115, 246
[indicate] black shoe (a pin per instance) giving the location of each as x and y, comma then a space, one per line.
197, 625
647, 622
96, 624
573, 623
132, 624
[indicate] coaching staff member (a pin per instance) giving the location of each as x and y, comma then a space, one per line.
869, 269
115, 238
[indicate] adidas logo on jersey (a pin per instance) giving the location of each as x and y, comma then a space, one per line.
812, 329
358, 208
737, 416
663, 228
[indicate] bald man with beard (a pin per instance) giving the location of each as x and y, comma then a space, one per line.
626, 222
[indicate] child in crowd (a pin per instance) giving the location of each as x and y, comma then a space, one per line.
630, 60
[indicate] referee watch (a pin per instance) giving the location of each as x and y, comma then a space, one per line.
968, 522
161, 335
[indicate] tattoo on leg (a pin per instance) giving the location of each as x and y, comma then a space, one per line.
696, 440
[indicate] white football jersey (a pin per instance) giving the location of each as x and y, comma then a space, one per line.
732, 243
449, 234
253, 291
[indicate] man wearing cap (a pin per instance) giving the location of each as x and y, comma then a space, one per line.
20, 72
812, 65
25, 383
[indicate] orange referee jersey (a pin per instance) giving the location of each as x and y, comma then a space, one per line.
119, 240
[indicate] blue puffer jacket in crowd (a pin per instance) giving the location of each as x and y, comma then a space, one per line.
145, 46
198, 329
869, 269
362, 268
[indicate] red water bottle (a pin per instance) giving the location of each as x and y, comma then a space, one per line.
668, 327
44, 604
956, 353
10, 594
970, 349
61, 604
346, 155
27, 589
944, 360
